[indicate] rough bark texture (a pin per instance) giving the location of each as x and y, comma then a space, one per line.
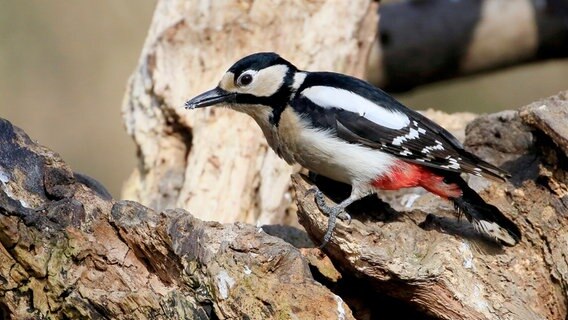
191, 159
436, 262
424, 41
68, 252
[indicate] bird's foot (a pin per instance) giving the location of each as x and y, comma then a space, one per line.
333, 213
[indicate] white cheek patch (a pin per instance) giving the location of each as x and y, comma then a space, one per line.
329, 97
267, 81
228, 82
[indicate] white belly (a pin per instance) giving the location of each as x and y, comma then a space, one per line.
319, 151
337, 159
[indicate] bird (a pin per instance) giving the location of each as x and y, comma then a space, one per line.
350, 131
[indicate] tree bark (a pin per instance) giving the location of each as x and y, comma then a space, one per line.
215, 162
420, 253
68, 252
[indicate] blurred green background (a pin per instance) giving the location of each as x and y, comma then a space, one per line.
64, 67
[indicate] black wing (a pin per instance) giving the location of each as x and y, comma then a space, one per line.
420, 141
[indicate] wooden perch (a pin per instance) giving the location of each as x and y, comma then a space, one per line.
427, 257
216, 163
68, 253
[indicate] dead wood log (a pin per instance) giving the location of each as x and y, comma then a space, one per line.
216, 162
420, 253
67, 252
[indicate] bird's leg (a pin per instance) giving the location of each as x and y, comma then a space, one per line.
333, 212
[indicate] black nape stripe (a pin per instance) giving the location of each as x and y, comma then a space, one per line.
281, 98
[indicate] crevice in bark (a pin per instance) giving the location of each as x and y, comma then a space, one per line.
365, 301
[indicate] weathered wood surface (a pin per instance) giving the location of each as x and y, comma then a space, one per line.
215, 162
419, 252
68, 252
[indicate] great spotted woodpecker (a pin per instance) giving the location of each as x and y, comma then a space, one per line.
350, 131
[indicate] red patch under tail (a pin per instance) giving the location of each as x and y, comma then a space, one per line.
408, 175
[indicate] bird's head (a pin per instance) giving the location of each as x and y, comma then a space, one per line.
259, 79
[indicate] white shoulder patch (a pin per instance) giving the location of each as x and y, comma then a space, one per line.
299, 78
329, 97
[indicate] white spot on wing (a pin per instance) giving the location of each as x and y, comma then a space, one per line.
451, 166
412, 134
398, 140
329, 97
438, 146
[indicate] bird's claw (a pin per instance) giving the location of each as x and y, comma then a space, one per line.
333, 213
320, 202
344, 216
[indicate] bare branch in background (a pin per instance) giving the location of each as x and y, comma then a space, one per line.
420, 42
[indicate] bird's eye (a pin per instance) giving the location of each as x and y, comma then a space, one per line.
245, 79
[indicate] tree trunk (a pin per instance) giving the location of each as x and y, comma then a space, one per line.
216, 162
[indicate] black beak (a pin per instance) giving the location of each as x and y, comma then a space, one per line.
210, 98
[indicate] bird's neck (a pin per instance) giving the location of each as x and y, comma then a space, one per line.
282, 138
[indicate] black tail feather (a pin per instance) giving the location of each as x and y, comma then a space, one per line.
485, 217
